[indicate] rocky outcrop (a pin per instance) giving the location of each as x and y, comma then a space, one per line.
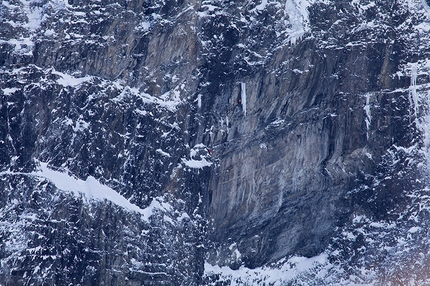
241, 134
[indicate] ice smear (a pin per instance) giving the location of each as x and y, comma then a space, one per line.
93, 190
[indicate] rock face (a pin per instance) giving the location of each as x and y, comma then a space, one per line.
141, 139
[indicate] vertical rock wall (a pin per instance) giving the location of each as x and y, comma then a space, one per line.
251, 131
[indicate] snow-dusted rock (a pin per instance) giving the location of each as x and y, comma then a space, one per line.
204, 142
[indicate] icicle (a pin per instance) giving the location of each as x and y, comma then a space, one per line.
419, 100
413, 95
199, 100
368, 119
243, 96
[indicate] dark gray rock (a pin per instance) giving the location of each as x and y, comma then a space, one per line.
263, 145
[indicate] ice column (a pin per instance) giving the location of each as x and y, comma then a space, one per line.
243, 96
199, 100
368, 119
419, 98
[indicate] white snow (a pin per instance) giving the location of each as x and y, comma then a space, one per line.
78, 126
23, 46
237, 255
275, 123
289, 270
143, 26
413, 96
9, 91
69, 80
419, 99
262, 5
163, 153
243, 96
414, 229
92, 190
34, 16
169, 100
29, 17
426, 6
368, 119
298, 17
199, 100
197, 164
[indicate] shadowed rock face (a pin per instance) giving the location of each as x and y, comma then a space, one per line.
286, 168
255, 144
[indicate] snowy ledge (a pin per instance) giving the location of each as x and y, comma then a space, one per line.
290, 270
197, 164
91, 189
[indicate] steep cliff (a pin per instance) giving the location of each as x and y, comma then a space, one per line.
214, 142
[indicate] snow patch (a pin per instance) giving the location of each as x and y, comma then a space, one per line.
163, 153
93, 190
143, 26
414, 229
10, 91
289, 271
69, 80
22, 46
262, 5
169, 100
197, 164
298, 17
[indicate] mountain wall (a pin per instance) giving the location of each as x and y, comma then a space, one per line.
184, 142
